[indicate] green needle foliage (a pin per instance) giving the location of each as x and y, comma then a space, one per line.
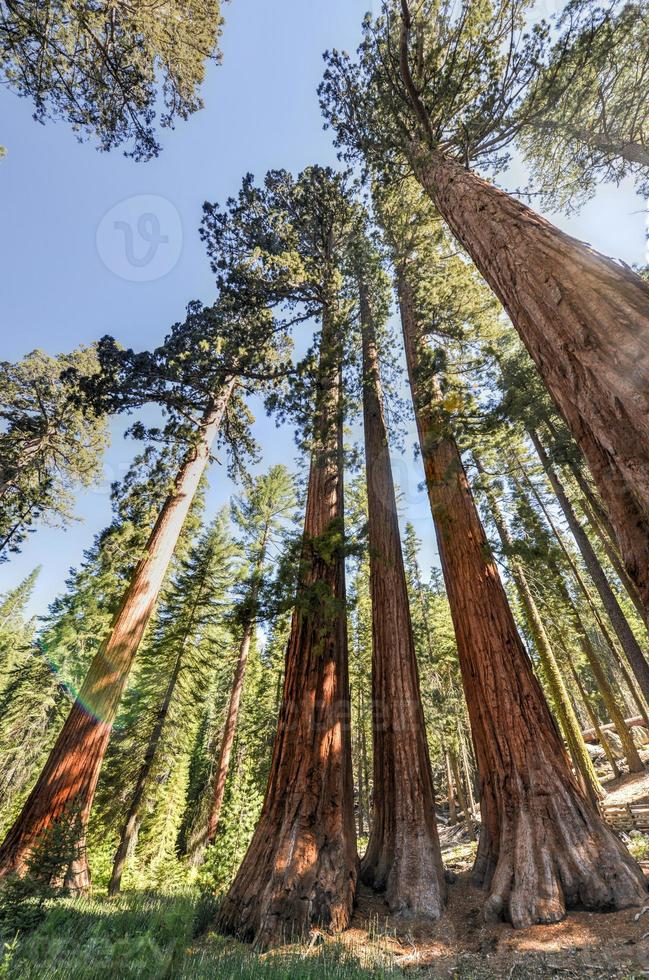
106, 68
50, 447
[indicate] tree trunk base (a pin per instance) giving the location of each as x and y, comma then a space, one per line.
409, 875
312, 887
556, 853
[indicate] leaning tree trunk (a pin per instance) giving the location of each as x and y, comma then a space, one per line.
584, 319
230, 727
69, 778
403, 857
567, 718
133, 817
300, 869
618, 620
543, 845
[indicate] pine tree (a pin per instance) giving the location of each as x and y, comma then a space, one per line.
566, 301
300, 868
164, 711
403, 857
16, 632
49, 446
260, 516
104, 69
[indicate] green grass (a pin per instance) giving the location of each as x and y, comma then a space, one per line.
156, 936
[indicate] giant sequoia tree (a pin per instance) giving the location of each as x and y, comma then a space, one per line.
300, 869
543, 846
582, 316
103, 67
403, 856
68, 781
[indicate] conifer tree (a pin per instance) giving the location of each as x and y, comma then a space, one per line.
260, 516
300, 868
103, 68
197, 391
49, 446
566, 301
403, 857
48, 675
172, 680
526, 782
15, 631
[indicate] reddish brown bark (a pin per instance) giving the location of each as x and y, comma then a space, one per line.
403, 857
69, 778
229, 730
584, 319
300, 869
543, 846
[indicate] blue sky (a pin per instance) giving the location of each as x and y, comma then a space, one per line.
63, 267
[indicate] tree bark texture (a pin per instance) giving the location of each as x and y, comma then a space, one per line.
584, 319
543, 845
567, 718
69, 778
301, 867
403, 857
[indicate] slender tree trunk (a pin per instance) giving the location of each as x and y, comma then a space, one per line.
566, 715
612, 554
300, 869
584, 320
468, 775
229, 730
618, 620
461, 796
618, 657
133, 817
69, 778
594, 720
543, 846
359, 769
450, 785
403, 857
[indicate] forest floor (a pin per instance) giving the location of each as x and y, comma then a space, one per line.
157, 935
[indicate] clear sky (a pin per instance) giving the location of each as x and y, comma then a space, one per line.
66, 275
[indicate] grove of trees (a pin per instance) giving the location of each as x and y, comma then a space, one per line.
283, 701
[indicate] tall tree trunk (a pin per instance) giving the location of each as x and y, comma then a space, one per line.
618, 620
133, 817
450, 786
618, 657
300, 869
584, 320
461, 797
543, 846
69, 778
565, 713
403, 857
594, 720
230, 727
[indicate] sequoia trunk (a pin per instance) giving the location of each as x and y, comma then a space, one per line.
584, 320
403, 857
543, 846
565, 712
300, 869
69, 778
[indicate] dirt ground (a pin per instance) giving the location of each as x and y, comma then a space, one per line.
462, 945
